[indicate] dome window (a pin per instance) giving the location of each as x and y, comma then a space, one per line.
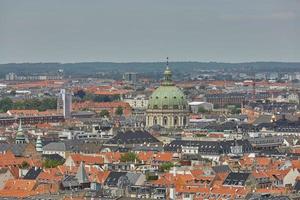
174, 97
156, 97
166, 97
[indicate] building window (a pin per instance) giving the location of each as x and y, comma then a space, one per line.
184, 121
165, 106
175, 121
165, 121
155, 120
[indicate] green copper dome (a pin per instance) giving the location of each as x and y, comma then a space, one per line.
167, 96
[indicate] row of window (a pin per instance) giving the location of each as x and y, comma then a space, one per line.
166, 97
165, 121
167, 107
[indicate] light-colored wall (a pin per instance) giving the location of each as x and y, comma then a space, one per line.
4, 177
61, 153
291, 177
69, 162
170, 119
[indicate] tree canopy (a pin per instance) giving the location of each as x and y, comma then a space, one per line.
6, 104
166, 166
129, 157
35, 103
119, 111
51, 163
104, 113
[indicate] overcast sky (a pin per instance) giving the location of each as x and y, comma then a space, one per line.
149, 30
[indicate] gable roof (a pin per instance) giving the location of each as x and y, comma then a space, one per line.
81, 174
87, 159
236, 179
113, 178
221, 169
209, 147
133, 137
297, 186
55, 157
33, 173
55, 146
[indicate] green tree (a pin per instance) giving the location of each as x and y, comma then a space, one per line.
18, 105
104, 113
129, 157
36, 104
166, 166
51, 163
6, 104
47, 103
24, 165
119, 111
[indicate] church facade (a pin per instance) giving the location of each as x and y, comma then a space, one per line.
167, 106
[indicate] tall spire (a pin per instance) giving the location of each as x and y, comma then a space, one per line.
20, 126
20, 137
81, 174
167, 76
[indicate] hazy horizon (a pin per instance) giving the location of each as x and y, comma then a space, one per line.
73, 31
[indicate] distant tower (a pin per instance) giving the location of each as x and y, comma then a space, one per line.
130, 77
253, 85
60, 73
67, 103
20, 137
39, 145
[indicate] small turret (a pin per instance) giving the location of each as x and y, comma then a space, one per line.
39, 145
20, 137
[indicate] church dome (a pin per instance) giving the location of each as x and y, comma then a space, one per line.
167, 96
